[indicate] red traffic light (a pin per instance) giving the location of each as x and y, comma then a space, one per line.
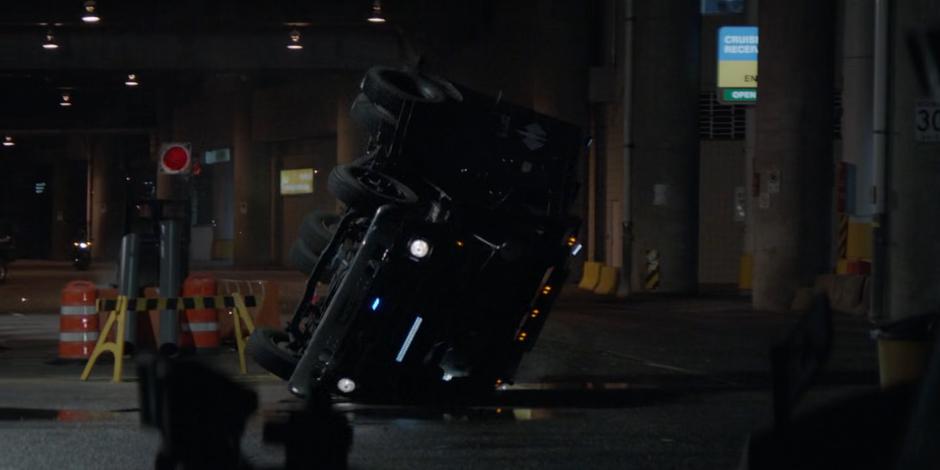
175, 158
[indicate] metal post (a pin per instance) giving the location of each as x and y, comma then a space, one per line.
626, 239
129, 283
170, 280
881, 85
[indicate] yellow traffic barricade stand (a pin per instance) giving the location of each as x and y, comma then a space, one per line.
120, 307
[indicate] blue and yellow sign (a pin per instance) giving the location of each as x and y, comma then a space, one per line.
737, 58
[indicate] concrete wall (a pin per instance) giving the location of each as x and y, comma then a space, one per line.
721, 235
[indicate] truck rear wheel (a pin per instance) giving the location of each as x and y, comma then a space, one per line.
269, 349
366, 189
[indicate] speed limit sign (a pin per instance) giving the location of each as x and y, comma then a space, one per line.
927, 121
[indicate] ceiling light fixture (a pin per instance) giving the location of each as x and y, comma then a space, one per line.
50, 43
294, 43
131, 80
91, 12
8, 141
377, 16
66, 100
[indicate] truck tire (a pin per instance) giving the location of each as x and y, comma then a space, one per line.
304, 260
302, 257
365, 189
392, 88
446, 86
368, 115
266, 346
316, 230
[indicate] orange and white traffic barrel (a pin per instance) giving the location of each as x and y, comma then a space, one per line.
78, 320
200, 327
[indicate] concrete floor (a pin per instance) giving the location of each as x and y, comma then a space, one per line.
649, 384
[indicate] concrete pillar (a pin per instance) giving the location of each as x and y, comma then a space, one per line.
664, 173
107, 198
64, 187
253, 189
794, 147
912, 215
857, 58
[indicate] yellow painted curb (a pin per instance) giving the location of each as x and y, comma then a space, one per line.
591, 275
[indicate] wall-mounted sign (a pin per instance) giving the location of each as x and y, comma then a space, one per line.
926, 121
739, 95
298, 181
175, 158
221, 155
737, 63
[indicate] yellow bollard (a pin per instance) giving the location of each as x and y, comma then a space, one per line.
745, 272
842, 266
591, 275
608, 281
901, 361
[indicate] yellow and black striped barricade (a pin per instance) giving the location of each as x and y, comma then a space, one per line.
120, 307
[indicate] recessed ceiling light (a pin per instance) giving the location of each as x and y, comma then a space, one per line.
49, 43
294, 43
91, 12
131, 80
377, 16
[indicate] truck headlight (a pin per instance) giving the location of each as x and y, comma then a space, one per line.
346, 385
419, 248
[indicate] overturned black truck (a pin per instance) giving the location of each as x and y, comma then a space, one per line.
440, 273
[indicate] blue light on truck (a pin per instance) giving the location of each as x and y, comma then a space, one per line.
375, 304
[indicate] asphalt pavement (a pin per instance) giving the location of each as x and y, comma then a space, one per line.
649, 383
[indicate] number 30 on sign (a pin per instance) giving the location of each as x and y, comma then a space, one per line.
927, 121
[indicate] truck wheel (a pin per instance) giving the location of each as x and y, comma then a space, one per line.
368, 115
366, 189
446, 86
316, 230
304, 260
391, 88
269, 349
301, 257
